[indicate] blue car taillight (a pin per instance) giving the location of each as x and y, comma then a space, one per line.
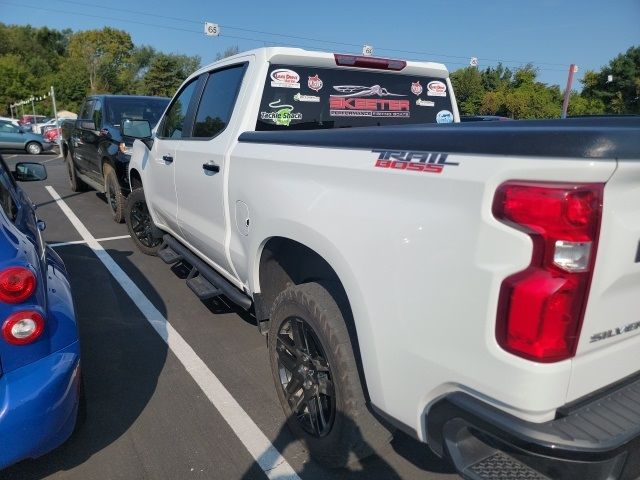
16, 284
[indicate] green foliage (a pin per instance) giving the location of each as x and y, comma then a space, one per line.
105, 53
469, 89
515, 94
622, 93
76, 64
166, 73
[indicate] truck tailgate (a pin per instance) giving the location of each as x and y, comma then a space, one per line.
609, 345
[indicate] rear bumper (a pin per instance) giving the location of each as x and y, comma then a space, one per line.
38, 405
46, 146
596, 439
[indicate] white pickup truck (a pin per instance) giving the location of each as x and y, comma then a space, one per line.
477, 286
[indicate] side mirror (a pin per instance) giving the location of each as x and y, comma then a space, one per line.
30, 172
87, 125
140, 129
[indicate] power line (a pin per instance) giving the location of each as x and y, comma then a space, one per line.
261, 32
257, 40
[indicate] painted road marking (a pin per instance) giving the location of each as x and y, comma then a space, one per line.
80, 242
270, 460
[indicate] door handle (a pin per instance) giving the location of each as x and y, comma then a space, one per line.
211, 167
167, 158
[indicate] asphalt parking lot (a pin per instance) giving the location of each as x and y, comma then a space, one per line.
147, 417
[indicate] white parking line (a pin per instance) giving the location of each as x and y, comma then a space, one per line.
270, 460
80, 242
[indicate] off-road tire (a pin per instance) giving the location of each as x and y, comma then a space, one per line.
355, 432
75, 183
113, 193
135, 207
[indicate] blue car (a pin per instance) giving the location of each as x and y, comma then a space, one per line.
39, 346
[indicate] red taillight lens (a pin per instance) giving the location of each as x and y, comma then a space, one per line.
16, 284
369, 62
540, 309
22, 328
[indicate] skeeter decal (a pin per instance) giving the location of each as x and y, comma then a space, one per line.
348, 91
428, 162
368, 107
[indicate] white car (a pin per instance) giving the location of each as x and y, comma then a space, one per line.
13, 121
473, 285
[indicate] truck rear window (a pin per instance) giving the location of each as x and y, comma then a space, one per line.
308, 98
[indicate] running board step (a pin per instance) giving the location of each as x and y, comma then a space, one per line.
168, 255
215, 281
202, 287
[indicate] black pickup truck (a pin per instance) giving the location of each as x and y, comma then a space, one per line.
96, 152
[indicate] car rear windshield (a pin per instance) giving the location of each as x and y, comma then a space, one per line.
150, 109
307, 98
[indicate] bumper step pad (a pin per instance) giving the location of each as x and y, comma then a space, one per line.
501, 466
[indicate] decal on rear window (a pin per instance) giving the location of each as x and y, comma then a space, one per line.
282, 115
314, 83
425, 103
285, 78
436, 89
299, 97
444, 116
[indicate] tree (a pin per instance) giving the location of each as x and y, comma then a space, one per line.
467, 84
621, 94
496, 79
105, 53
166, 73
229, 52
16, 82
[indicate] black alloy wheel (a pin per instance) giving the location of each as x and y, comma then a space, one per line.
141, 225
306, 377
316, 375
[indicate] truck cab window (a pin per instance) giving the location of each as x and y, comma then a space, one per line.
85, 114
97, 114
218, 99
173, 122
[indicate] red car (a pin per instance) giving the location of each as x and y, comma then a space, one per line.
52, 134
30, 119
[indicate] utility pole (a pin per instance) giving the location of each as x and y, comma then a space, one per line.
55, 114
33, 107
567, 93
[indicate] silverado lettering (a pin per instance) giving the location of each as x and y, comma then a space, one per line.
614, 332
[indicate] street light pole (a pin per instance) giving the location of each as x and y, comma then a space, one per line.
567, 93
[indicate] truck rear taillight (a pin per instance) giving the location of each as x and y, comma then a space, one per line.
22, 328
540, 309
16, 284
344, 60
